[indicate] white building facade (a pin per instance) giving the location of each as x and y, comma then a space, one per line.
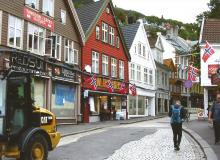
142, 71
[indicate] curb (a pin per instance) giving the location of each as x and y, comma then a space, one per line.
98, 128
206, 148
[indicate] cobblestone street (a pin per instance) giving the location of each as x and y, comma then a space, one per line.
148, 148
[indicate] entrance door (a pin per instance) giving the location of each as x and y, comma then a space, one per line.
17, 104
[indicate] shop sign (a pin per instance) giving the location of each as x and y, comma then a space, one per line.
212, 69
27, 63
39, 19
64, 73
101, 82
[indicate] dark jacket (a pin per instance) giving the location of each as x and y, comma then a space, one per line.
182, 112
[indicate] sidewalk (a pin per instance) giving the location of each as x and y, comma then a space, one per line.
67, 130
202, 129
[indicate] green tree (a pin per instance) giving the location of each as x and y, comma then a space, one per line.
214, 6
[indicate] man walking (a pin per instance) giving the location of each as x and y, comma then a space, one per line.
176, 113
214, 116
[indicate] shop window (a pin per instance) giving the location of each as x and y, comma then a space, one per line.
48, 7
36, 39
121, 69
56, 46
111, 36
39, 92
105, 32
151, 77
15, 29
141, 105
132, 70
138, 73
105, 65
64, 100
32, 3
146, 75
117, 41
97, 32
132, 105
63, 16
95, 62
114, 67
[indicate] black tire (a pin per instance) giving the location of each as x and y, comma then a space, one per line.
36, 142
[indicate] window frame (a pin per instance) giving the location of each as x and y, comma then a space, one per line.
132, 71
150, 73
39, 37
111, 36
138, 69
146, 75
43, 7
63, 11
29, 4
97, 31
121, 69
105, 62
114, 67
105, 28
117, 42
57, 44
96, 60
15, 32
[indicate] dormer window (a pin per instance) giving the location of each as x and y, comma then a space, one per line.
48, 7
32, 3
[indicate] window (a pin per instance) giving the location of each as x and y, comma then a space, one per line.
138, 73
121, 69
139, 48
105, 65
145, 75
15, 32
70, 55
36, 39
111, 36
132, 72
97, 32
63, 16
166, 80
135, 49
105, 32
144, 51
32, 3
150, 77
107, 10
117, 42
48, 7
95, 62
163, 79
114, 67
56, 46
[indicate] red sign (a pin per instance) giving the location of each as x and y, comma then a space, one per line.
212, 69
39, 19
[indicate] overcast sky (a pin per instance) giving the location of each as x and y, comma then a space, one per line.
182, 10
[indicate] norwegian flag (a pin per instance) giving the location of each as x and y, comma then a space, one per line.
92, 81
122, 88
208, 52
109, 85
133, 90
192, 73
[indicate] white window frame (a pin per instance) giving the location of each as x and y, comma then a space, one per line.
139, 49
111, 36
104, 32
29, 2
114, 67
63, 19
150, 76
56, 46
69, 51
46, 3
0, 26
117, 42
138, 73
75, 56
144, 50
97, 30
105, 62
39, 37
121, 69
95, 62
132, 71
15, 28
146, 75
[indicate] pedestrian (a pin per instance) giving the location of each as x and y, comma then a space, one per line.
214, 116
176, 113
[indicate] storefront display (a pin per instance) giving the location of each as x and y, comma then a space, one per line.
39, 92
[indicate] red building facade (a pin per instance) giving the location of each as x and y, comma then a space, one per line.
105, 52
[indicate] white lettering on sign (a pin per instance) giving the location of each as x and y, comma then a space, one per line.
46, 119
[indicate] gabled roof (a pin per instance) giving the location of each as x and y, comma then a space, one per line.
89, 16
169, 63
129, 33
211, 31
76, 21
88, 13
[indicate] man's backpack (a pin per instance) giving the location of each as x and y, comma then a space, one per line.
176, 115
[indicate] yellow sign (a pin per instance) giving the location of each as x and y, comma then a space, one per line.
101, 82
